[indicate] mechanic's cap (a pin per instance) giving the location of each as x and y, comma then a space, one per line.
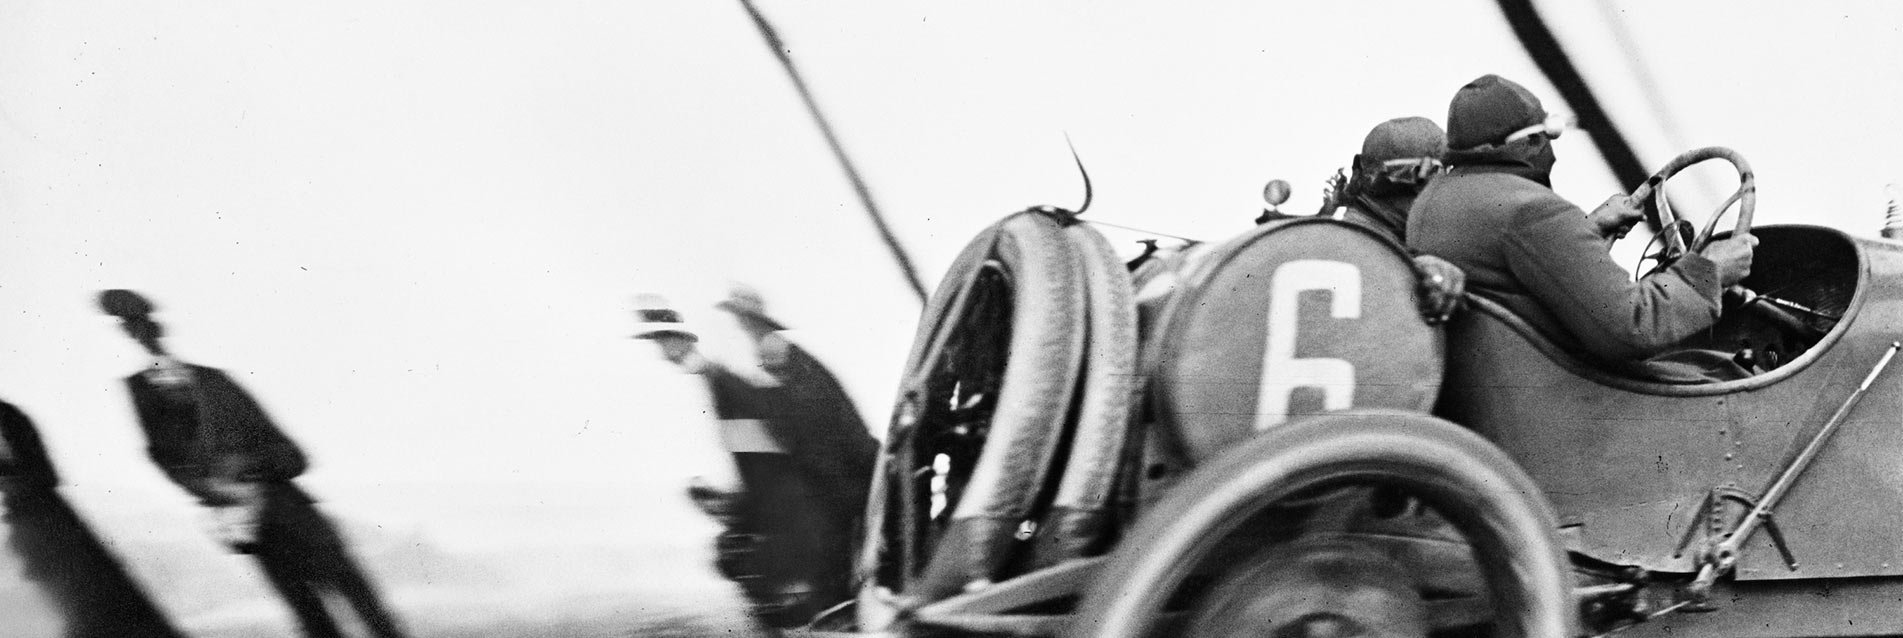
1403, 138
125, 304
653, 317
1487, 110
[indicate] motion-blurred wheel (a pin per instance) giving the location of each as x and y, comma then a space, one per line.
1244, 546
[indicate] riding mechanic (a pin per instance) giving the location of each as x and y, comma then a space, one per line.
1397, 159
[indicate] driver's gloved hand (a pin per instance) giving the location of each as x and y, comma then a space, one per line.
1733, 257
1443, 287
1616, 217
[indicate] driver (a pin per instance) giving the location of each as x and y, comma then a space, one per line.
1495, 215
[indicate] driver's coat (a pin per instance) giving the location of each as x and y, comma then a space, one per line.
1527, 248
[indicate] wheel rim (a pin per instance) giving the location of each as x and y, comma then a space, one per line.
959, 398
1746, 197
1468, 481
1311, 589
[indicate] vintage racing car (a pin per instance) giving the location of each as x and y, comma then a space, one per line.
1264, 437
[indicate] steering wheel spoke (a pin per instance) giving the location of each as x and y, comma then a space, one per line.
1666, 253
1711, 225
1682, 241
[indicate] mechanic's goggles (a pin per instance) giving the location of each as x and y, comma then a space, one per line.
1412, 170
1552, 128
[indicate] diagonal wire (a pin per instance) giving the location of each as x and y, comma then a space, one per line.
780, 52
1649, 87
1100, 222
1543, 46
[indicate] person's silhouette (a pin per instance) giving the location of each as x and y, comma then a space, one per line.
772, 544
824, 435
92, 591
215, 441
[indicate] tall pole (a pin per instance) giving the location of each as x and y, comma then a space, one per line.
839, 152
1540, 43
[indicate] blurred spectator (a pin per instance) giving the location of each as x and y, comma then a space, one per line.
82, 579
213, 439
774, 540
823, 432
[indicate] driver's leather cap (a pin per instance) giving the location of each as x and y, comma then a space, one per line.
1488, 109
1403, 138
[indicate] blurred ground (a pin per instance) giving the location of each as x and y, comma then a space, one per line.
525, 561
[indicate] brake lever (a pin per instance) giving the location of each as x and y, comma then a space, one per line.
1775, 311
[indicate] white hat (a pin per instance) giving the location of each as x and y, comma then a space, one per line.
654, 318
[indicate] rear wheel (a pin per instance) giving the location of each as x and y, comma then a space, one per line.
1238, 549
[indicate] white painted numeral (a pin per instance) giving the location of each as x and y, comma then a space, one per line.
1282, 373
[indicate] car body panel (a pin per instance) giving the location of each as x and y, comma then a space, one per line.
1785, 608
1628, 465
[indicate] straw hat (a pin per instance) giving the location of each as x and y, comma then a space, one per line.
653, 317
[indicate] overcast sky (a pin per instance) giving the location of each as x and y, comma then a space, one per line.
414, 229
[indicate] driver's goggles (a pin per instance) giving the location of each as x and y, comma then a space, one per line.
1412, 170
1552, 128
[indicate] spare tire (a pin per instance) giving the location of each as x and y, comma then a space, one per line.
1291, 319
1080, 519
980, 415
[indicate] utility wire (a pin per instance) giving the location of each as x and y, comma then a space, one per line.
1550, 57
1649, 86
780, 51
1100, 222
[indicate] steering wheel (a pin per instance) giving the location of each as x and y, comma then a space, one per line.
1678, 239
1673, 228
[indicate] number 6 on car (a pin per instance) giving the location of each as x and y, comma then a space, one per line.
1294, 318
1283, 372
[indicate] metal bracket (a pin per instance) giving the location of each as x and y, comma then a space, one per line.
1064, 217
1718, 553
1712, 512
1719, 558
899, 448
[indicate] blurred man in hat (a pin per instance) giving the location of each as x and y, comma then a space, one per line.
824, 434
1397, 159
1495, 215
773, 543
94, 594
213, 439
